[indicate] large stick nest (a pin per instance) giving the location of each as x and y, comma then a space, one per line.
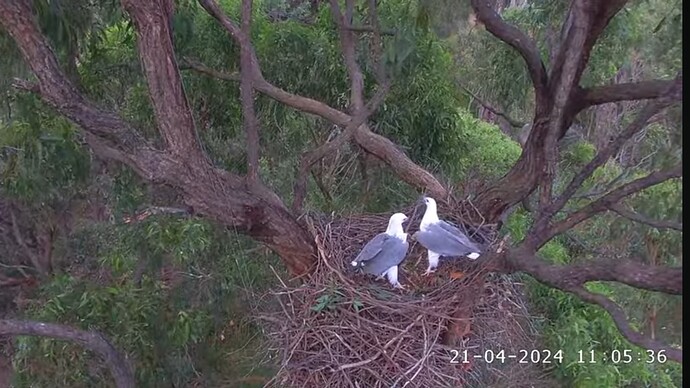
345, 329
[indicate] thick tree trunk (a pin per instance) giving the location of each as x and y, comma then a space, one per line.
520, 181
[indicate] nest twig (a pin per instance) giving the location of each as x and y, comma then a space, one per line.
344, 329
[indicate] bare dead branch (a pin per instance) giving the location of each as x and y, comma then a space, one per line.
347, 42
621, 321
492, 109
517, 39
632, 91
311, 157
120, 367
251, 124
637, 217
603, 203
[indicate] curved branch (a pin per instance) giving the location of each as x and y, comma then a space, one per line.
517, 39
118, 364
378, 145
621, 321
491, 108
633, 216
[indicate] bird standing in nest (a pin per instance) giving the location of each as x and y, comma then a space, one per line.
442, 239
382, 255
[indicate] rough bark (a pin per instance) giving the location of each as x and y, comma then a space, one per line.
214, 193
585, 22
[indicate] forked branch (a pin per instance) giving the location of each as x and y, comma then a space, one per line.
373, 143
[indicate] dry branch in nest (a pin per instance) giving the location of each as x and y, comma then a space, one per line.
345, 329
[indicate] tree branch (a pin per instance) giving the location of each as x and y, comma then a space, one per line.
217, 194
110, 131
598, 15
373, 143
169, 101
621, 321
671, 95
633, 216
251, 124
572, 278
632, 91
517, 39
603, 203
120, 367
664, 279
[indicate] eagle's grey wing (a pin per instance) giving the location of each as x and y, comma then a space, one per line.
461, 236
391, 254
372, 248
437, 239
